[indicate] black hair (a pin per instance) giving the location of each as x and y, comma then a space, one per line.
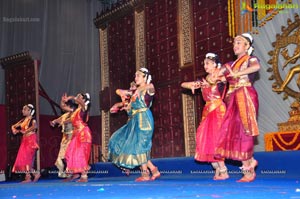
216, 58
71, 103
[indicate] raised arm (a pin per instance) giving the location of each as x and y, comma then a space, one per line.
191, 85
63, 102
254, 66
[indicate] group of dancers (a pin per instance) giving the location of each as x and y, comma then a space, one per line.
73, 158
229, 120
227, 129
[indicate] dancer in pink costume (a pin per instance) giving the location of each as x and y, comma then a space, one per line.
208, 131
25, 158
79, 149
240, 127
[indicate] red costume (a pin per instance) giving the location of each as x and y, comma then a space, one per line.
240, 125
28, 147
78, 151
208, 131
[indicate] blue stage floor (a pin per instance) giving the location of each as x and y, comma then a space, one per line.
278, 176
166, 187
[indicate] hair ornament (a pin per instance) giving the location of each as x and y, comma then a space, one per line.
248, 37
144, 70
250, 50
147, 74
31, 107
214, 57
87, 98
210, 55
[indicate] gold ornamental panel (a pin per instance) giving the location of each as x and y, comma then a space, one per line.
104, 58
185, 30
105, 116
140, 39
189, 124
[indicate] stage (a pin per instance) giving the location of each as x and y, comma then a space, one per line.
277, 177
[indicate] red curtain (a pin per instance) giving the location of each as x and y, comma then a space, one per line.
3, 141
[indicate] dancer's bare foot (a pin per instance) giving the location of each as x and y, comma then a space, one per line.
82, 180
36, 177
222, 174
71, 178
155, 173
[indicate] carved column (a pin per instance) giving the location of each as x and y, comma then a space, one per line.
188, 105
104, 85
185, 30
140, 47
186, 57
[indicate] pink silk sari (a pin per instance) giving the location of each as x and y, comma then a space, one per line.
239, 125
79, 149
208, 131
27, 150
